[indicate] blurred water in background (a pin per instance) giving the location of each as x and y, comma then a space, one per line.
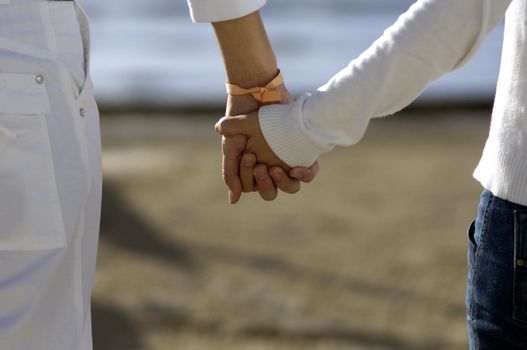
150, 53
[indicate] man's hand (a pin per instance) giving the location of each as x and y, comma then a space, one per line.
244, 147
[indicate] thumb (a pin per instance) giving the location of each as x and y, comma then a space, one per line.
237, 125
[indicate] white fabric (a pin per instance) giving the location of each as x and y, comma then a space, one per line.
50, 179
503, 167
222, 10
70, 49
431, 39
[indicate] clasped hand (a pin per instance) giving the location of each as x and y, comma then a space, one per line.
249, 164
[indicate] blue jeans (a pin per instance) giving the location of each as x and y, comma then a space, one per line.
497, 276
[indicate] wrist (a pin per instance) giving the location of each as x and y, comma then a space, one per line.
253, 75
244, 104
237, 105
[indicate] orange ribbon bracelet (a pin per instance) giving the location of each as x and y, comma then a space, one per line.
268, 93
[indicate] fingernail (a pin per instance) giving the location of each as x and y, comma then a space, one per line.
231, 197
217, 127
277, 175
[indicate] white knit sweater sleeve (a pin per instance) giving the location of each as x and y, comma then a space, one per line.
222, 10
432, 38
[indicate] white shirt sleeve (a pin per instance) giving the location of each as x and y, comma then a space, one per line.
432, 38
222, 10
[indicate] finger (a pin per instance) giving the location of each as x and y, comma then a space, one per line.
247, 164
305, 174
236, 125
232, 151
266, 187
283, 181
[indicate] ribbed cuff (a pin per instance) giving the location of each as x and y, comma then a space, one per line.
284, 131
216, 10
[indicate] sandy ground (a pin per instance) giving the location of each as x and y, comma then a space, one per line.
370, 256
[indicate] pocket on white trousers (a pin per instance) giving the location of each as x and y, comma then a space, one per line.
30, 211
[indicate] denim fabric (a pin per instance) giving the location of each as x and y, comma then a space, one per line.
497, 276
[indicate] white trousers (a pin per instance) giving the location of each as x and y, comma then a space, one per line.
50, 177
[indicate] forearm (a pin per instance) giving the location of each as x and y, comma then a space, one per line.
249, 59
432, 38
247, 53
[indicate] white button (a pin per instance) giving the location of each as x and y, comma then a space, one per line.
82, 112
39, 79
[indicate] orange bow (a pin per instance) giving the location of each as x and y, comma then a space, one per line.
268, 93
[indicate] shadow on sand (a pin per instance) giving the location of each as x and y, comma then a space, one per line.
127, 229
113, 329
122, 226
